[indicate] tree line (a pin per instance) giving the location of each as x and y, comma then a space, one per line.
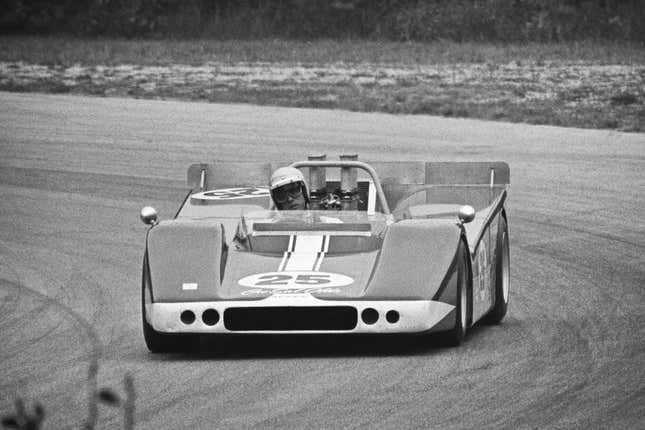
417, 20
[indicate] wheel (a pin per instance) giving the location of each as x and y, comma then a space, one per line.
155, 341
455, 336
502, 275
160, 342
163, 342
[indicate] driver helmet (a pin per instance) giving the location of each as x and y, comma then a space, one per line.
285, 176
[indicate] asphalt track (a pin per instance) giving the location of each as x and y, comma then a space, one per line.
75, 171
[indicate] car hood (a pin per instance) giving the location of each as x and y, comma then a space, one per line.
190, 262
254, 276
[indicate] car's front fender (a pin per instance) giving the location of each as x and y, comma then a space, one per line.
415, 259
185, 260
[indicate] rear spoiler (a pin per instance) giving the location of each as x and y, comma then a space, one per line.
398, 178
252, 174
209, 176
468, 173
402, 179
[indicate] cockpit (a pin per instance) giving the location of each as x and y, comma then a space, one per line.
350, 231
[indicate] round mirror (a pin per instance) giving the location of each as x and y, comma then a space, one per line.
149, 215
466, 214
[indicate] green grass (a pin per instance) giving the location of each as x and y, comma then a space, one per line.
68, 51
587, 85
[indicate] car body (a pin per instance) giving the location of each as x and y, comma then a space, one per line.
384, 248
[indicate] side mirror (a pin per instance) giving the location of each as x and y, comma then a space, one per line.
466, 214
149, 215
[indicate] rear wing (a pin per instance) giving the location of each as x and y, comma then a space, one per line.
209, 176
399, 179
458, 182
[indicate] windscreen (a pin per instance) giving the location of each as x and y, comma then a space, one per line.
308, 220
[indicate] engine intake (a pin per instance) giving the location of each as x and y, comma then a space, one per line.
290, 318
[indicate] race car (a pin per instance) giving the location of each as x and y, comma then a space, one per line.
383, 248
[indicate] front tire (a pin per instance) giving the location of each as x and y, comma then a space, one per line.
456, 336
165, 342
155, 341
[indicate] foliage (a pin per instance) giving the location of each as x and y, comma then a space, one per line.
589, 84
458, 20
23, 419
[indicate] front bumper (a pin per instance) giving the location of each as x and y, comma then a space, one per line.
300, 314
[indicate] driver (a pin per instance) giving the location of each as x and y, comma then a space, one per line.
289, 189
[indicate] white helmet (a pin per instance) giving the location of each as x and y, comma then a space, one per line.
288, 175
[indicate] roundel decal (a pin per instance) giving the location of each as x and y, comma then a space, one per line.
232, 193
299, 279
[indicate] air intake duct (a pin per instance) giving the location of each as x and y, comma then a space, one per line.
349, 184
291, 318
317, 182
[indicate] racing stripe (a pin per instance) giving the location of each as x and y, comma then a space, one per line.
283, 262
305, 253
319, 260
321, 255
306, 243
301, 261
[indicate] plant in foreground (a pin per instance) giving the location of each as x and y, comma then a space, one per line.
23, 419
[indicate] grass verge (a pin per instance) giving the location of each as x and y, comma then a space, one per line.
585, 85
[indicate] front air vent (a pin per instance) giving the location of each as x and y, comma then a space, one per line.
291, 318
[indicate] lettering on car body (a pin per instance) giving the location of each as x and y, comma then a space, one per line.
232, 193
302, 292
482, 274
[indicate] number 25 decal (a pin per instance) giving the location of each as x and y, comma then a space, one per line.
281, 280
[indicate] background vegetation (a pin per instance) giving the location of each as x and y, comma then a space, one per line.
574, 63
587, 84
400, 20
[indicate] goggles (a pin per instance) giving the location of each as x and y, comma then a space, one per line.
282, 194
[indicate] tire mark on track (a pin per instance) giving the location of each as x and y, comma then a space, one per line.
92, 184
77, 319
569, 227
7, 304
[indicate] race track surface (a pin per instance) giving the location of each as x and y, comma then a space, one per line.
75, 171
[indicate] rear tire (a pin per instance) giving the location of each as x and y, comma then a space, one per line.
456, 336
502, 275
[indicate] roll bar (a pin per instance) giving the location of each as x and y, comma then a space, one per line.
357, 164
